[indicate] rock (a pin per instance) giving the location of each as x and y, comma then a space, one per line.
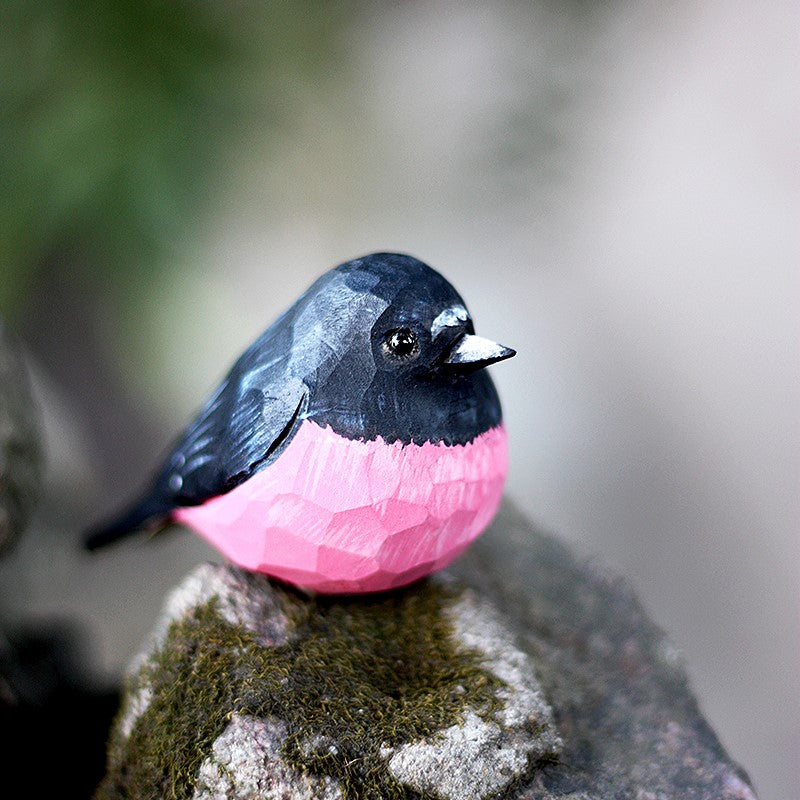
489, 754
20, 447
630, 725
521, 674
246, 762
249, 689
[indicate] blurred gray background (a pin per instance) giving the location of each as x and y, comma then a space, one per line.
614, 188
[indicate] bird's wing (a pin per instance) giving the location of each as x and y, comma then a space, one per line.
243, 426
240, 430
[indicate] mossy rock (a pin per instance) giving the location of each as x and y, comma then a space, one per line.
249, 689
445, 689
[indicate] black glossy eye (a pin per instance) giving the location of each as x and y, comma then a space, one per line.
401, 344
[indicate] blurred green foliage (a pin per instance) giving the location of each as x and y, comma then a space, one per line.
118, 116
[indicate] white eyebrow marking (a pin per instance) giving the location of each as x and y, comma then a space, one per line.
449, 318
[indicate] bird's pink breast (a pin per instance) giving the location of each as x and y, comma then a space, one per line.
337, 515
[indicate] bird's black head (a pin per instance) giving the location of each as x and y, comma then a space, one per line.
387, 348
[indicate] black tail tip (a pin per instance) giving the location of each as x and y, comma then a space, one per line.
147, 516
97, 538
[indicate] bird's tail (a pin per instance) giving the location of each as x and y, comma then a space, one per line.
151, 514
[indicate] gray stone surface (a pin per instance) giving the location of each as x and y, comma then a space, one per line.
241, 600
629, 722
246, 764
20, 447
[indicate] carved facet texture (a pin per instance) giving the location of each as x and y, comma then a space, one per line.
339, 515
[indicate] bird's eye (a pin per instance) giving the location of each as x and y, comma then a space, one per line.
401, 344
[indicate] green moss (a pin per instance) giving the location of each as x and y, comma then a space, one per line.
356, 675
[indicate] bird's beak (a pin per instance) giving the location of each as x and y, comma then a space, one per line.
472, 352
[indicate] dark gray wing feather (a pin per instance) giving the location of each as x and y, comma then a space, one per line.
242, 427
234, 436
